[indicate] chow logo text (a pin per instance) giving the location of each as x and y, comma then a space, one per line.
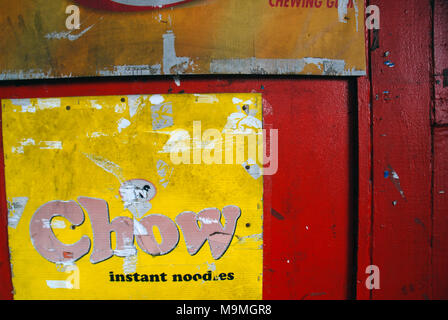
196, 228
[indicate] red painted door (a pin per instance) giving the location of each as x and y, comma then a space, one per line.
309, 217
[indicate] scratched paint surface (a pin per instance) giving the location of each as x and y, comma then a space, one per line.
198, 37
64, 148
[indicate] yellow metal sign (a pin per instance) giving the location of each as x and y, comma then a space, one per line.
319, 37
135, 197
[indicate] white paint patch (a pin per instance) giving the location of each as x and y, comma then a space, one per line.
139, 229
122, 124
242, 123
50, 103
179, 141
120, 107
25, 105
107, 166
96, 135
50, 145
46, 224
67, 34
23, 143
25, 75
128, 251
15, 210
59, 284
332, 67
177, 81
252, 168
172, 64
211, 266
207, 221
94, 104
156, 99
54, 224
130, 264
342, 10
136, 195
136, 103
132, 70
356, 14
236, 100
164, 171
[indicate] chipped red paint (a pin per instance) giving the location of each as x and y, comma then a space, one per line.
440, 229
133, 5
5, 269
441, 60
401, 107
309, 203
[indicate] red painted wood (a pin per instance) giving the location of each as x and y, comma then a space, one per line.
440, 229
5, 269
308, 255
308, 238
441, 60
402, 146
364, 223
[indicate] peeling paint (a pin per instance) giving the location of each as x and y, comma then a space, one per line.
132, 70
252, 168
50, 145
164, 171
242, 123
59, 284
281, 66
15, 210
49, 103
136, 195
395, 180
161, 115
96, 135
25, 75
23, 143
107, 166
130, 264
136, 103
67, 34
179, 141
127, 251
123, 124
172, 64
342, 10
156, 99
211, 266
139, 229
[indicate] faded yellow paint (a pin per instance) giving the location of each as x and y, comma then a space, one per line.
82, 128
204, 34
